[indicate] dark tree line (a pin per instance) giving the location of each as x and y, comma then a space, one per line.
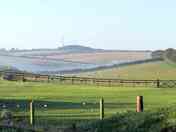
168, 54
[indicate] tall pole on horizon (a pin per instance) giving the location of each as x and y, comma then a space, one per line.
62, 41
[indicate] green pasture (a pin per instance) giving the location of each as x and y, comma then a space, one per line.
154, 70
78, 101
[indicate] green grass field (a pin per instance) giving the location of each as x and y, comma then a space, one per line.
58, 104
153, 70
79, 101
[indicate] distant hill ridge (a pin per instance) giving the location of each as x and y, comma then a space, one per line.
78, 48
68, 49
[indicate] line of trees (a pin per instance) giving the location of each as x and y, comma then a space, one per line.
168, 54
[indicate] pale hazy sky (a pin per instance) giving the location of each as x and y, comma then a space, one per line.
110, 24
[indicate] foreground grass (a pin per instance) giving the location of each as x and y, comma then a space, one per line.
153, 70
79, 101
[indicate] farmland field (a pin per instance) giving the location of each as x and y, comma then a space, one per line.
61, 61
153, 70
60, 101
39, 65
103, 57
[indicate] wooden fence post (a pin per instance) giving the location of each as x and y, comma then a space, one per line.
23, 78
139, 104
158, 83
32, 112
109, 83
101, 109
72, 80
60, 78
93, 80
35, 77
48, 78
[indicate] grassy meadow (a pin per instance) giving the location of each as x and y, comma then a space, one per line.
61, 101
59, 104
154, 70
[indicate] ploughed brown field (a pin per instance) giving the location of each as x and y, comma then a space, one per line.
102, 57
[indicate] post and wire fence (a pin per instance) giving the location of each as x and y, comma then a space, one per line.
32, 115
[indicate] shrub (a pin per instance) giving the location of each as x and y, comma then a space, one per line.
8, 77
6, 115
132, 122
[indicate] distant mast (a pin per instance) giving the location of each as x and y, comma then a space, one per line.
62, 41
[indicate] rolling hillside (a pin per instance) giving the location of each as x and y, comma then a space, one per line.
67, 59
153, 70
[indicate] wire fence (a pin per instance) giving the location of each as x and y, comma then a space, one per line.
28, 114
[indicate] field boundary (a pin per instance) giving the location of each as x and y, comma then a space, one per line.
104, 67
30, 77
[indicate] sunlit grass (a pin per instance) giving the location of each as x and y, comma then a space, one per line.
81, 101
153, 70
